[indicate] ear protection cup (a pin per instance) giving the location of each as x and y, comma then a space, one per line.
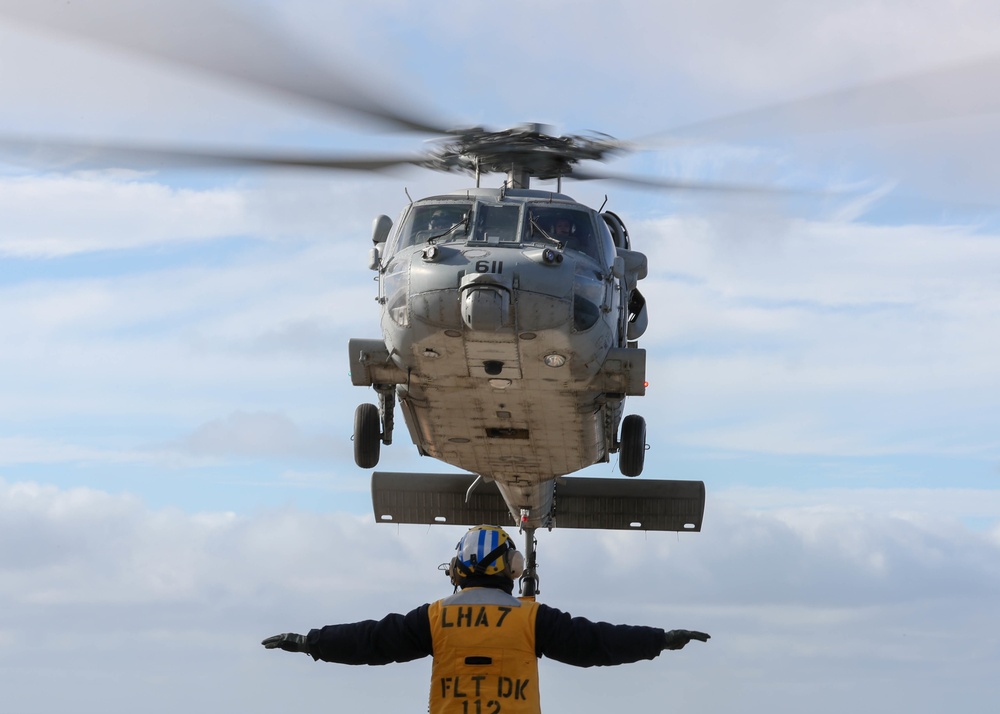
514, 563
452, 571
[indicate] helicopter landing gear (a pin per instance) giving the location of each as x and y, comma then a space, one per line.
373, 427
367, 435
633, 445
529, 578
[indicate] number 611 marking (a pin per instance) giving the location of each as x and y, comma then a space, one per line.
487, 266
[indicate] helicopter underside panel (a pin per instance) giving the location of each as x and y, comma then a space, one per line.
489, 403
509, 433
498, 410
592, 503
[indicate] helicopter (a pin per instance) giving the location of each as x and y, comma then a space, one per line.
510, 320
510, 316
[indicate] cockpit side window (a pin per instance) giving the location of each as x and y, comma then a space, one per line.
574, 229
428, 222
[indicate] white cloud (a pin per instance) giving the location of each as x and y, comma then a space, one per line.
829, 338
58, 215
101, 213
254, 434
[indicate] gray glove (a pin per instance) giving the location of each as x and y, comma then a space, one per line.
676, 639
289, 641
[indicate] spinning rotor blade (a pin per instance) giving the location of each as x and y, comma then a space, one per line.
695, 186
70, 155
945, 93
208, 37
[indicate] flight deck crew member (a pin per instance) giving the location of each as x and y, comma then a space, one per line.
485, 642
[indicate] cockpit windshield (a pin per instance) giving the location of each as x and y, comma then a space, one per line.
430, 222
492, 223
571, 228
496, 224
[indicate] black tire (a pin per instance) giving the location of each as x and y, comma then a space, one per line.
367, 435
632, 452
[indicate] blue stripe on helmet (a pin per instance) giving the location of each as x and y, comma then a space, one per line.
482, 549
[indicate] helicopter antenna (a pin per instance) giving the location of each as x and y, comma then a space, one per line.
601, 209
407, 192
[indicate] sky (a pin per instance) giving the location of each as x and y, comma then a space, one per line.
176, 470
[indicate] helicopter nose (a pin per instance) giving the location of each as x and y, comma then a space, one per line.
486, 309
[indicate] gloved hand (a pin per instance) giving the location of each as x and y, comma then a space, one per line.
676, 639
289, 641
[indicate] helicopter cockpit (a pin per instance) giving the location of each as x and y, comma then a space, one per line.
504, 223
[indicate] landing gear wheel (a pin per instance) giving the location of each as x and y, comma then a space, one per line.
633, 445
367, 435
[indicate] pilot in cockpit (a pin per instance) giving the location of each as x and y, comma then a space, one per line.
442, 220
573, 233
562, 229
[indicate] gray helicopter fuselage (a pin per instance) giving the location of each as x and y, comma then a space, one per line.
505, 335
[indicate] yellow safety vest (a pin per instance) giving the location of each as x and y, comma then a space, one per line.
484, 658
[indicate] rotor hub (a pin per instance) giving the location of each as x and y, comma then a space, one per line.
527, 150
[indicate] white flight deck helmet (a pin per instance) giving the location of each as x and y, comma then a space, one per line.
485, 551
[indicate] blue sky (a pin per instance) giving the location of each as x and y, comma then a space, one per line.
176, 477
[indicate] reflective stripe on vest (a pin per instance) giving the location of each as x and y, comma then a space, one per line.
484, 659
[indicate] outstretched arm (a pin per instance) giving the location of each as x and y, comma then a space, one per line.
584, 643
394, 638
